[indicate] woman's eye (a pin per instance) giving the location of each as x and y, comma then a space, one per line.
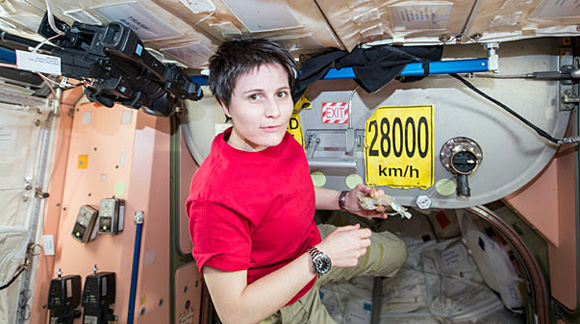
282, 94
254, 96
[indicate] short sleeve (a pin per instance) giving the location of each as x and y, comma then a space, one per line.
221, 237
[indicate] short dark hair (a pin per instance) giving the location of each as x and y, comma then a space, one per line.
237, 57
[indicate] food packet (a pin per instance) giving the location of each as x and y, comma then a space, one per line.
371, 203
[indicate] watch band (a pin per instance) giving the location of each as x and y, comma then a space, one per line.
342, 200
313, 251
321, 262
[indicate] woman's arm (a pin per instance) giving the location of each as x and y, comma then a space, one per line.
327, 199
237, 302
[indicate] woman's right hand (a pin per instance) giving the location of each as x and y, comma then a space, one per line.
345, 245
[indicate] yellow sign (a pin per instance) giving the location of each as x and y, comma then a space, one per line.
294, 128
399, 147
83, 161
302, 103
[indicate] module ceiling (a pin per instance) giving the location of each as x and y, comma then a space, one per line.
189, 31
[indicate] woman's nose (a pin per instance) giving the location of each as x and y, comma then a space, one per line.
271, 108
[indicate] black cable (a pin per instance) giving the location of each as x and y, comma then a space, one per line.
506, 108
19, 41
13, 278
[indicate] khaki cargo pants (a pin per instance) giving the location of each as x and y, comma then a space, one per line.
384, 257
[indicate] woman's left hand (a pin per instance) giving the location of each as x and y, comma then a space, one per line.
352, 202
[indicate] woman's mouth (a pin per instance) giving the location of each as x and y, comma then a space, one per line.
270, 128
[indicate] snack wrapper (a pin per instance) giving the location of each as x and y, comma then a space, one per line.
371, 203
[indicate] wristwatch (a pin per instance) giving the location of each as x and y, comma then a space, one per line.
342, 200
320, 261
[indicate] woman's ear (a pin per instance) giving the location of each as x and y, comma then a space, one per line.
225, 109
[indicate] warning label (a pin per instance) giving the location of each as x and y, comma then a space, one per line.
335, 113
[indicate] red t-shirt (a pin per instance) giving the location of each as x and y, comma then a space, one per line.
252, 211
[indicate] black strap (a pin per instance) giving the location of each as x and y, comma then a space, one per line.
425, 67
13, 278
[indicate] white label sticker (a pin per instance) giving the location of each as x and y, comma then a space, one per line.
414, 17
260, 16
87, 117
150, 257
452, 257
126, 116
143, 22
38, 62
48, 244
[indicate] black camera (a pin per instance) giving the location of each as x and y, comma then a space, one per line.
119, 67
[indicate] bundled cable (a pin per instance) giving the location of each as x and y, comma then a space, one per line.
538, 130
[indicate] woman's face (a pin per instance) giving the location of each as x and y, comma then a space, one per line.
260, 108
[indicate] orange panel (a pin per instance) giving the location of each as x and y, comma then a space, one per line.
104, 138
563, 271
149, 191
129, 159
544, 188
549, 203
187, 294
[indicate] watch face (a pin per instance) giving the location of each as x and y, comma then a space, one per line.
322, 264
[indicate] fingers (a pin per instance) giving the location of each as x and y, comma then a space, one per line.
377, 193
347, 228
363, 243
364, 233
361, 233
355, 227
380, 209
362, 248
346, 245
383, 216
371, 192
364, 189
378, 213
